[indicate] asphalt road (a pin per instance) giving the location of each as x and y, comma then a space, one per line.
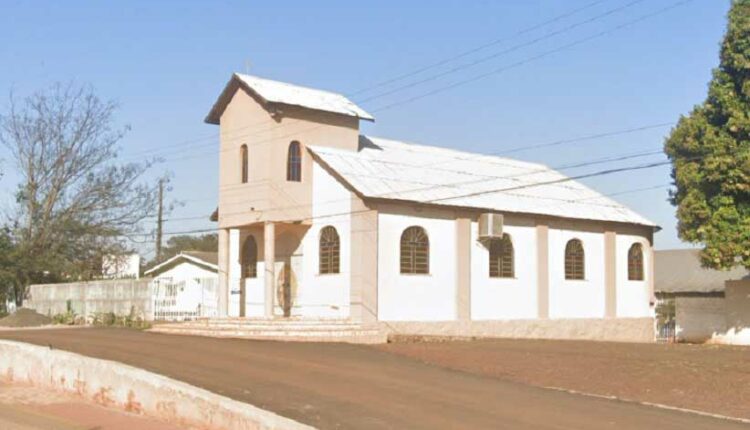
340, 386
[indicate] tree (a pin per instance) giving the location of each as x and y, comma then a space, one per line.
177, 244
710, 154
75, 202
7, 269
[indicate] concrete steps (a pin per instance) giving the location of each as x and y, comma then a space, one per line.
298, 330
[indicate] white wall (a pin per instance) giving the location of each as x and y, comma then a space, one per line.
315, 295
325, 295
505, 298
576, 299
632, 296
700, 318
416, 297
254, 287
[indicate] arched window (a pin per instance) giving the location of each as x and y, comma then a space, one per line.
501, 258
635, 262
415, 251
329, 251
250, 258
575, 260
294, 163
243, 161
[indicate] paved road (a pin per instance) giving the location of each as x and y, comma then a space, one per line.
334, 386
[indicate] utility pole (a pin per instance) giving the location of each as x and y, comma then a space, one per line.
159, 220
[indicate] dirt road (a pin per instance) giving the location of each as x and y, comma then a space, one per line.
334, 386
712, 378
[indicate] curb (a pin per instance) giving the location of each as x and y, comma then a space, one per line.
135, 390
650, 404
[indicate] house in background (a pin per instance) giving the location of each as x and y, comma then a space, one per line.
692, 302
184, 287
317, 221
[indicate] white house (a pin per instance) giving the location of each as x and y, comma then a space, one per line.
185, 286
316, 220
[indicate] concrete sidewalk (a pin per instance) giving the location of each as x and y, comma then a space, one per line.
352, 386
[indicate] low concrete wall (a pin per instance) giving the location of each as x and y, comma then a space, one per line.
609, 329
135, 390
89, 298
700, 318
737, 308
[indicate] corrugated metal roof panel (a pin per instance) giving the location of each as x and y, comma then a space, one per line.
680, 271
403, 171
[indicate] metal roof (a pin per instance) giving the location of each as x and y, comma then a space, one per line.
395, 170
209, 260
281, 92
680, 271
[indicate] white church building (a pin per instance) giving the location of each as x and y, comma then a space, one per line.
318, 221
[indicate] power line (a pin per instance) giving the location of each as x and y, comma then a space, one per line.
536, 57
492, 191
481, 178
406, 75
629, 191
475, 50
566, 179
485, 59
492, 72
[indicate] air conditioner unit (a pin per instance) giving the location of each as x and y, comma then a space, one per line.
490, 226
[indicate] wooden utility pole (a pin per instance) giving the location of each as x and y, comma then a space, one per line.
159, 220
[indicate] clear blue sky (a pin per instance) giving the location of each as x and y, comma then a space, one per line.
165, 63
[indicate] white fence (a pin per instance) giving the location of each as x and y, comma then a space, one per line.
161, 299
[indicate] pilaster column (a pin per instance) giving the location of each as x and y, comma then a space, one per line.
363, 292
463, 268
650, 270
610, 274
269, 257
223, 290
542, 270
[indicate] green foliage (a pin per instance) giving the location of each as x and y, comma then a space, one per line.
8, 269
710, 154
177, 244
67, 318
110, 319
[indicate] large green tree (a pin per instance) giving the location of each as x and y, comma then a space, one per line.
710, 154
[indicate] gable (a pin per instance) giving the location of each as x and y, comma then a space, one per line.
203, 260
274, 95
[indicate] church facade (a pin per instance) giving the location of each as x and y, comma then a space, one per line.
319, 221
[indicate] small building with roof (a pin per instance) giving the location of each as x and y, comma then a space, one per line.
692, 303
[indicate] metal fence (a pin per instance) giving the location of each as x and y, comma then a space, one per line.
667, 331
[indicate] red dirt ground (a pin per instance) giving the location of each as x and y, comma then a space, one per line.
340, 386
709, 378
32, 408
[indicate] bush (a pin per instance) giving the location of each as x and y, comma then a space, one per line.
110, 319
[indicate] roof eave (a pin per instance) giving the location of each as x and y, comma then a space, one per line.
174, 259
214, 115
